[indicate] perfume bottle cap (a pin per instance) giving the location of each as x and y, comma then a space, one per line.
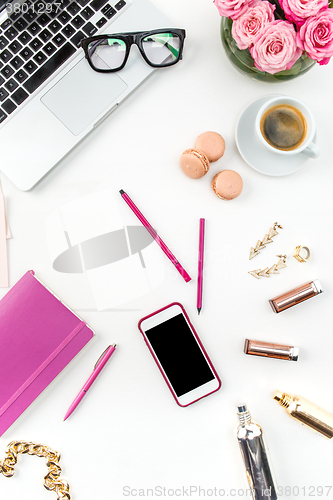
277, 396
282, 398
244, 416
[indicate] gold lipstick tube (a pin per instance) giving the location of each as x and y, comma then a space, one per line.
296, 296
306, 413
271, 350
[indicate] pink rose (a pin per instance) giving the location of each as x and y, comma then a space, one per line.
251, 24
298, 11
316, 36
276, 48
232, 8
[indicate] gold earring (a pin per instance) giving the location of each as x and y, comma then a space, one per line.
267, 239
270, 270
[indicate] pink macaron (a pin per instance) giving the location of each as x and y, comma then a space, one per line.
227, 185
194, 163
212, 144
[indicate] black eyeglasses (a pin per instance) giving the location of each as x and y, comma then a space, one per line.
159, 48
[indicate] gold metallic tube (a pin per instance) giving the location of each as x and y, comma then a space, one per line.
270, 350
296, 296
307, 413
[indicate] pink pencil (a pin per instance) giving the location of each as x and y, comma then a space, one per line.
154, 234
200, 264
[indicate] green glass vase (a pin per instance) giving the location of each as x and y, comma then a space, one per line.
243, 62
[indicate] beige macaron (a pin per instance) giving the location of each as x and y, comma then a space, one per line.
227, 184
212, 144
194, 163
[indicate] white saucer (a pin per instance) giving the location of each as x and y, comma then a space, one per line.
256, 155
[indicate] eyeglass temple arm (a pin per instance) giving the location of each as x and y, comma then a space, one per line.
172, 49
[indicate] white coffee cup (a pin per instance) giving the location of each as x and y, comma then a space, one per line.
307, 147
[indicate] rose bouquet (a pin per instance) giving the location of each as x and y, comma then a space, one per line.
279, 36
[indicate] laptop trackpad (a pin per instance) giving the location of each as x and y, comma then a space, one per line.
82, 95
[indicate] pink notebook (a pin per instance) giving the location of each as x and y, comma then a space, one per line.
39, 336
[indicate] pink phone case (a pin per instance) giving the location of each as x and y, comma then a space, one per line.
199, 342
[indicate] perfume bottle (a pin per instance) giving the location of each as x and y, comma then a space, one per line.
307, 413
251, 443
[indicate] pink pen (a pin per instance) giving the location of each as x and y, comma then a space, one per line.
101, 362
200, 264
154, 234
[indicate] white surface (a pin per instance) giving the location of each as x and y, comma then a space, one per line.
128, 431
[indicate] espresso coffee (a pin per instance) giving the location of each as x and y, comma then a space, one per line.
283, 127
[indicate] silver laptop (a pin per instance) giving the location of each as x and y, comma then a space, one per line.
47, 105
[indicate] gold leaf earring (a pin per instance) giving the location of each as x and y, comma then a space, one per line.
257, 273
266, 239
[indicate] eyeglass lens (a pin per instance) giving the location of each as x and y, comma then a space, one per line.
159, 48
107, 53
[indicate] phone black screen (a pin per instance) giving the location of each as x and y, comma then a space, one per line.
179, 354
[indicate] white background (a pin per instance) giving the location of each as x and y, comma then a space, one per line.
128, 431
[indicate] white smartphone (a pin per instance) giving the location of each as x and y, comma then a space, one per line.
179, 354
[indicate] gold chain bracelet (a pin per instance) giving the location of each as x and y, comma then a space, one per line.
51, 480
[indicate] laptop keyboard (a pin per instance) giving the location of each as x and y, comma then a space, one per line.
36, 41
